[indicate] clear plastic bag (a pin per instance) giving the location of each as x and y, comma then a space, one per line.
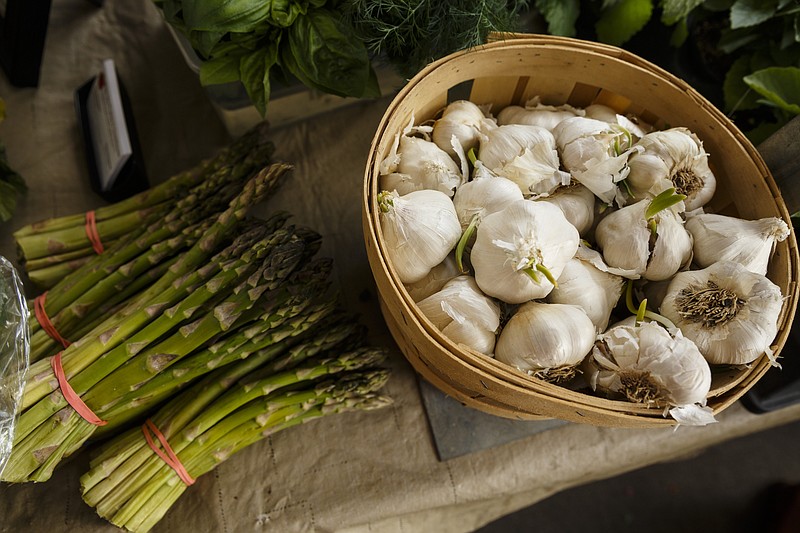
14, 353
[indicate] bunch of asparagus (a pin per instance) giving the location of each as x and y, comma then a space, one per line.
232, 408
196, 297
80, 300
211, 290
51, 249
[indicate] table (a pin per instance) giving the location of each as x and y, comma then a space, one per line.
355, 472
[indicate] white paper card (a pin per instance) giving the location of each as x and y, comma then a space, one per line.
110, 140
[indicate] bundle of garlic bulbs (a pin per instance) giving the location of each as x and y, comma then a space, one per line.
517, 237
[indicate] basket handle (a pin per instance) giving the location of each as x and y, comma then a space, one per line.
781, 153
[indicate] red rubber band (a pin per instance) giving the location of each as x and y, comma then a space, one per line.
44, 320
69, 394
92, 233
167, 455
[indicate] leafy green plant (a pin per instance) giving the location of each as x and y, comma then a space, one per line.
412, 33
756, 42
254, 41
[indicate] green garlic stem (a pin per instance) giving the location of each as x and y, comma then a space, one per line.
661, 319
641, 312
462, 242
471, 156
384, 201
533, 271
629, 297
663, 201
549, 275
652, 225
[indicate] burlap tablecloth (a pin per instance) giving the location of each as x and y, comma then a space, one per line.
353, 472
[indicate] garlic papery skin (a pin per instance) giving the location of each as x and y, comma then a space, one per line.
520, 251
594, 291
625, 237
464, 314
525, 155
534, 113
596, 154
463, 119
546, 340
672, 158
730, 313
434, 280
646, 364
419, 231
631, 123
484, 196
577, 204
723, 238
415, 164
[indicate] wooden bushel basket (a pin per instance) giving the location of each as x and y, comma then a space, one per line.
580, 73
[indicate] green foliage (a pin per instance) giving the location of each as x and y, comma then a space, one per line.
412, 33
748, 13
674, 11
623, 20
253, 41
560, 16
779, 85
759, 44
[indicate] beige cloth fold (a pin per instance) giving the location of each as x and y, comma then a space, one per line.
354, 472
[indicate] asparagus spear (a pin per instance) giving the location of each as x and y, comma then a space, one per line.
111, 373
164, 192
127, 495
182, 277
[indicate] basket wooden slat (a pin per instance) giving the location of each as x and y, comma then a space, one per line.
562, 70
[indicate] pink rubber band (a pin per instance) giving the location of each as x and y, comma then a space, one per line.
167, 454
92, 233
69, 394
44, 320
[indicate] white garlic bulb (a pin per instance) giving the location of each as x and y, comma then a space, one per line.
525, 155
434, 280
724, 238
646, 364
534, 113
626, 238
415, 164
631, 123
483, 196
728, 311
596, 154
672, 158
594, 291
464, 314
546, 340
463, 119
419, 230
577, 204
519, 252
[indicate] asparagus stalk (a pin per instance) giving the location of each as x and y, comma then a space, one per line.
264, 347
129, 494
174, 309
162, 193
184, 275
116, 288
118, 371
